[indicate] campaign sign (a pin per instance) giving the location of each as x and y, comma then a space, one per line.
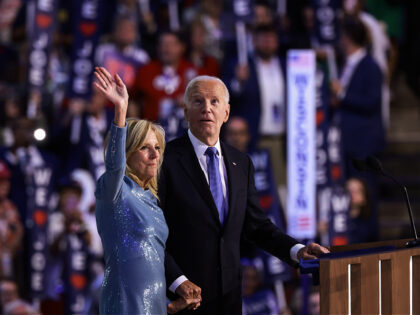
335, 152
243, 10
39, 190
86, 33
77, 275
326, 23
339, 213
322, 125
301, 150
95, 149
274, 268
42, 17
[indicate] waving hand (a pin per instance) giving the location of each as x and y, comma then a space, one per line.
114, 89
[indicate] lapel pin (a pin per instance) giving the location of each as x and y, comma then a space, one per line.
234, 163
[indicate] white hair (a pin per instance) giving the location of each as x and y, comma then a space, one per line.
204, 78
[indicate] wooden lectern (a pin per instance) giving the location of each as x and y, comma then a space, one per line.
386, 282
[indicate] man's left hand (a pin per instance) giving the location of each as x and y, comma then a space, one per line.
311, 251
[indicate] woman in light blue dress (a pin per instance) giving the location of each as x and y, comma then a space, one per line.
132, 227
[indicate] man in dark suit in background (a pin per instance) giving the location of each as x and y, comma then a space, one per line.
358, 100
358, 95
208, 195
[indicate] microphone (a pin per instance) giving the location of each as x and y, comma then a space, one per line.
360, 165
373, 165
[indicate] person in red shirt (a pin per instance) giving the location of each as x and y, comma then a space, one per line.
159, 85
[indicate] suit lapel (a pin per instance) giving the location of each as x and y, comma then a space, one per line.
232, 169
189, 162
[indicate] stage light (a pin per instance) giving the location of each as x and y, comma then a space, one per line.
40, 134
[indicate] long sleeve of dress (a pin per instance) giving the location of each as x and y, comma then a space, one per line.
109, 184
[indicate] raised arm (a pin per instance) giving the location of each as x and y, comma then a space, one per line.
113, 88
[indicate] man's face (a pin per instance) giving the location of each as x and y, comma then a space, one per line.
262, 15
170, 49
237, 134
23, 132
266, 44
314, 304
125, 33
207, 110
198, 35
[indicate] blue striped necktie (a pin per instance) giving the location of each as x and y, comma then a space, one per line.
215, 181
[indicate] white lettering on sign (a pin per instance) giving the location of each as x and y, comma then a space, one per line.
79, 304
38, 59
90, 9
38, 261
46, 5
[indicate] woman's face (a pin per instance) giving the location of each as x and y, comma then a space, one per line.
357, 192
144, 162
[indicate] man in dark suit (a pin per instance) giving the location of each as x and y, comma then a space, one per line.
208, 195
358, 94
358, 100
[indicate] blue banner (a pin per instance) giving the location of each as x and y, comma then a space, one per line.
40, 188
86, 31
339, 214
95, 149
274, 268
41, 20
340, 200
335, 152
322, 124
326, 22
77, 275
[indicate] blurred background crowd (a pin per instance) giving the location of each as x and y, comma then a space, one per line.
53, 125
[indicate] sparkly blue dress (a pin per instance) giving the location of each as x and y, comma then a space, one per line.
133, 232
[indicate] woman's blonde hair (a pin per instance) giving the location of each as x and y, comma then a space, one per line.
137, 130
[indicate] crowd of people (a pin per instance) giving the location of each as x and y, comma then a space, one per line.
52, 143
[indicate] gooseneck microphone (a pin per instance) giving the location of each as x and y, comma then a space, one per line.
373, 165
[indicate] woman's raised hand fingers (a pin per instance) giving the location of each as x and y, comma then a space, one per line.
118, 80
101, 80
99, 87
107, 76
